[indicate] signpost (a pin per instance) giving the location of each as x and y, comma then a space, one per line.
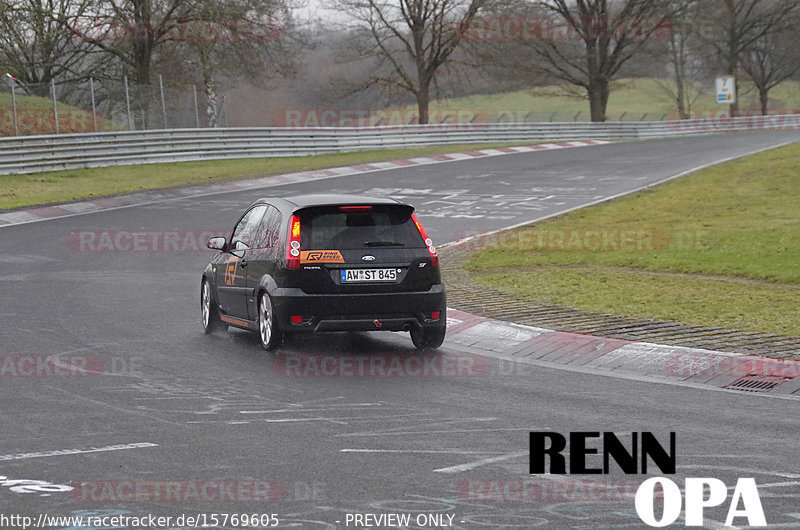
726, 90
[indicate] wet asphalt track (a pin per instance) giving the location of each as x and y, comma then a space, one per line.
218, 409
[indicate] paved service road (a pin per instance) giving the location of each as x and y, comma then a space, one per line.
143, 414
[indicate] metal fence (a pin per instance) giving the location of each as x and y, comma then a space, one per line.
30, 154
103, 105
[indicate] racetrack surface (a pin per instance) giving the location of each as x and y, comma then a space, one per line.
219, 409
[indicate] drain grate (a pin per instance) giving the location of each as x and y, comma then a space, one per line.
757, 383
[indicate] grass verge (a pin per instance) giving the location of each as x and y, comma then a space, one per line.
35, 116
717, 248
630, 100
18, 191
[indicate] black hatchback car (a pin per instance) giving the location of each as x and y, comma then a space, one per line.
314, 263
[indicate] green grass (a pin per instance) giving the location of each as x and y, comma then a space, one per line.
61, 186
634, 97
35, 116
720, 247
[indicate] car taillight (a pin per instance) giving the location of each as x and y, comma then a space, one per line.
428, 242
293, 245
355, 208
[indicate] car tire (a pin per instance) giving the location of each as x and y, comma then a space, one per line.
428, 338
209, 312
270, 337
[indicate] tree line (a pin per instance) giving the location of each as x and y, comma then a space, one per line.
396, 50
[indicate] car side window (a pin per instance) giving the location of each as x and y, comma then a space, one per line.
267, 232
274, 229
245, 231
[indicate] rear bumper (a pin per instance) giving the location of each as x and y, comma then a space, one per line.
358, 312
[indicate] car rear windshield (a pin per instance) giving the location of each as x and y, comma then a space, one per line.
376, 227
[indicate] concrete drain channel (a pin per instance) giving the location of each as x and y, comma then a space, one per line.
756, 383
464, 294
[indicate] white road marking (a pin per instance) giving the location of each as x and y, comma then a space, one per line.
742, 470
315, 401
775, 485
479, 463
415, 451
65, 452
435, 432
725, 456
341, 420
438, 422
300, 409
708, 523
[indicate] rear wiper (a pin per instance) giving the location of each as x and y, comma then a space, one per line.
383, 244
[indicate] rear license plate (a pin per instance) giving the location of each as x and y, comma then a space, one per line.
368, 275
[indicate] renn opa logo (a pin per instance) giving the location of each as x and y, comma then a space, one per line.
546, 456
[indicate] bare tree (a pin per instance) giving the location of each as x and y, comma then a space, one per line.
250, 43
226, 42
35, 47
606, 35
132, 30
732, 27
769, 62
409, 40
679, 49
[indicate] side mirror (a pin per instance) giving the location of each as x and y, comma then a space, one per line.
216, 243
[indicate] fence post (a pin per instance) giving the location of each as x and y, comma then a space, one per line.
196, 111
14, 102
128, 104
163, 105
55, 107
94, 110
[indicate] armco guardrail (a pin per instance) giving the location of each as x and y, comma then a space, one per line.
31, 154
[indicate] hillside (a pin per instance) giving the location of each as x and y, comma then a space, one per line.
630, 99
35, 116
